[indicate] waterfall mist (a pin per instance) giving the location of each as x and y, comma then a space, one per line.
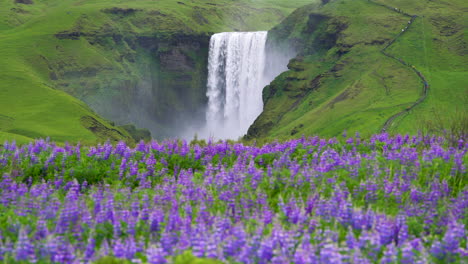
240, 65
235, 82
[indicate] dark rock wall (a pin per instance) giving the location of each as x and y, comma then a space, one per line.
161, 85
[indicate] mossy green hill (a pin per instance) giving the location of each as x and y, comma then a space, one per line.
78, 70
58, 54
367, 63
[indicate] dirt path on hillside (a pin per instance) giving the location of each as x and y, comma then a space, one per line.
390, 121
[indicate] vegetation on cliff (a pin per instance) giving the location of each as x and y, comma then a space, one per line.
73, 69
341, 80
128, 62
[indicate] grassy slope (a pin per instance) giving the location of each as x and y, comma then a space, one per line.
361, 89
30, 106
33, 108
436, 46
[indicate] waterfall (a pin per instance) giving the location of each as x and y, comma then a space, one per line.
236, 78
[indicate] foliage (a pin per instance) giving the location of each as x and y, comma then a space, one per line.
385, 199
101, 50
341, 81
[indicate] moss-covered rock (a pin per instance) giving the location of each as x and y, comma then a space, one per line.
104, 132
137, 134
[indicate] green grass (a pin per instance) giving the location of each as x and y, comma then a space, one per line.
39, 71
368, 87
357, 91
17, 138
435, 46
35, 108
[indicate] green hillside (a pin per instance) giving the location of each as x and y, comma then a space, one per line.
82, 70
342, 80
101, 50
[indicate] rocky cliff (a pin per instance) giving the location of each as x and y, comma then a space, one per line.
158, 84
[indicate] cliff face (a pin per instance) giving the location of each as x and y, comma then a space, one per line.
313, 35
154, 80
320, 38
158, 82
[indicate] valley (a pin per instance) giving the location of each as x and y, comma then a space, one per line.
136, 68
134, 62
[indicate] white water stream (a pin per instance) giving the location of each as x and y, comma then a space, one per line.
236, 78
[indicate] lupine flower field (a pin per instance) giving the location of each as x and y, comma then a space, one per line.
400, 199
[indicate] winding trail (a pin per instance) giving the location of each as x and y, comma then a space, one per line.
390, 121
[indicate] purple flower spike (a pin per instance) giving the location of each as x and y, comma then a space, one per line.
155, 255
119, 249
24, 249
330, 254
90, 249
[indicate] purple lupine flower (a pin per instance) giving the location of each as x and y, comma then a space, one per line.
345, 213
90, 249
437, 250
133, 169
249, 252
41, 230
265, 252
184, 242
119, 249
230, 189
302, 256
24, 249
330, 254
386, 231
351, 240
3, 249
156, 255
359, 258
401, 230
407, 254
452, 237
212, 249
390, 255
199, 246
230, 249
155, 220
131, 225
120, 148
279, 257
104, 250
130, 248
51, 248
168, 240
59, 250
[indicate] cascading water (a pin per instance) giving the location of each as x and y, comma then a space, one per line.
236, 77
